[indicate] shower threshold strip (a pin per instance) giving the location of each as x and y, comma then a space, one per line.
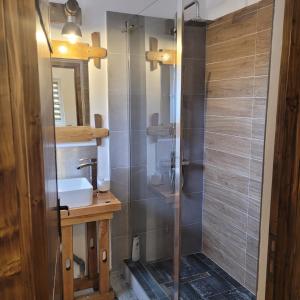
200, 279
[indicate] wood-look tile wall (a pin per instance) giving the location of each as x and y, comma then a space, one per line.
237, 69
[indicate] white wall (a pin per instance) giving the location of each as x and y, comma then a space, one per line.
95, 20
218, 8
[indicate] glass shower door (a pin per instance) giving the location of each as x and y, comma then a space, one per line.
154, 45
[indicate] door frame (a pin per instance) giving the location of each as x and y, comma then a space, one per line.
25, 238
279, 249
277, 40
178, 152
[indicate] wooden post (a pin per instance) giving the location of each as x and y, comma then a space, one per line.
98, 124
67, 262
153, 47
104, 285
92, 250
96, 42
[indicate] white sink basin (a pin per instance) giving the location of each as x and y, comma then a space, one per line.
75, 192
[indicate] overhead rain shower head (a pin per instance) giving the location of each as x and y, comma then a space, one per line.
198, 18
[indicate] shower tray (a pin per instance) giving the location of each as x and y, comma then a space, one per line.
200, 279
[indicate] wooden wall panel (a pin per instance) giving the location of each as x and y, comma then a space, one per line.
29, 276
284, 242
237, 68
10, 244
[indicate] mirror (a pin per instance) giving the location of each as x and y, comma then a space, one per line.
70, 92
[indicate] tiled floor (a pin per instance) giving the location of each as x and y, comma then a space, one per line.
200, 279
121, 287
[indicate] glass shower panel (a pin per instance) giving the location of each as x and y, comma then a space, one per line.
226, 60
153, 176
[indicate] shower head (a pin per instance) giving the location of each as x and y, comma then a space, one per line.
198, 18
197, 4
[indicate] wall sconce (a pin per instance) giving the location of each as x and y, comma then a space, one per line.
71, 30
70, 15
155, 56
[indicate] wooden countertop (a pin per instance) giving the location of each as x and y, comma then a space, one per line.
103, 207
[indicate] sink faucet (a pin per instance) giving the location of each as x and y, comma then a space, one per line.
90, 162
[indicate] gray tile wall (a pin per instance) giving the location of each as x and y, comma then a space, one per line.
118, 111
151, 215
193, 135
143, 213
68, 157
238, 51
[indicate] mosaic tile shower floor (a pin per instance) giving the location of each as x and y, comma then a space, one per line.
201, 279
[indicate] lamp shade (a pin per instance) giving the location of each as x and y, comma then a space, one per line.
71, 30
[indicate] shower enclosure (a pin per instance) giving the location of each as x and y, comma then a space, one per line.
187, 103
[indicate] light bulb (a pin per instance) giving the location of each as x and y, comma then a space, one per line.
63, 49
72, 38
166, 56
71, 30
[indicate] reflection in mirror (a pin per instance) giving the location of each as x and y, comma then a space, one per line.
64, 97
70, 92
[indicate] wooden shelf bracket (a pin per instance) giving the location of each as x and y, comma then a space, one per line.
155, 56
81, 51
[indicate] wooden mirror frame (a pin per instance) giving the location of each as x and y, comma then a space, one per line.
81, 80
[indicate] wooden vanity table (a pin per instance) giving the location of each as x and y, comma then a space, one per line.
101, 211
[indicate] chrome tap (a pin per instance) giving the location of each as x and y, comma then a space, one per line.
90, 162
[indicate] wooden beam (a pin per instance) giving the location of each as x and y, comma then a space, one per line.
284, 246
85, 219
96, 42
98, 124
165, 57
104, 284
86, 283
71, 134
67, 256
82, 51
91, 239
161, 130
153, 47
96, 296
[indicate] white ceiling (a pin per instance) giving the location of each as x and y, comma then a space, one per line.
210, 9
159, 8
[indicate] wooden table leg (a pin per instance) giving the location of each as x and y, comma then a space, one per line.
104, 284
91, 229
67, 262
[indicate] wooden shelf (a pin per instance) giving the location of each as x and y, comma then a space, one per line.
82, 51
165, 57
161, 131
101, 210
71, 134
103, 203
